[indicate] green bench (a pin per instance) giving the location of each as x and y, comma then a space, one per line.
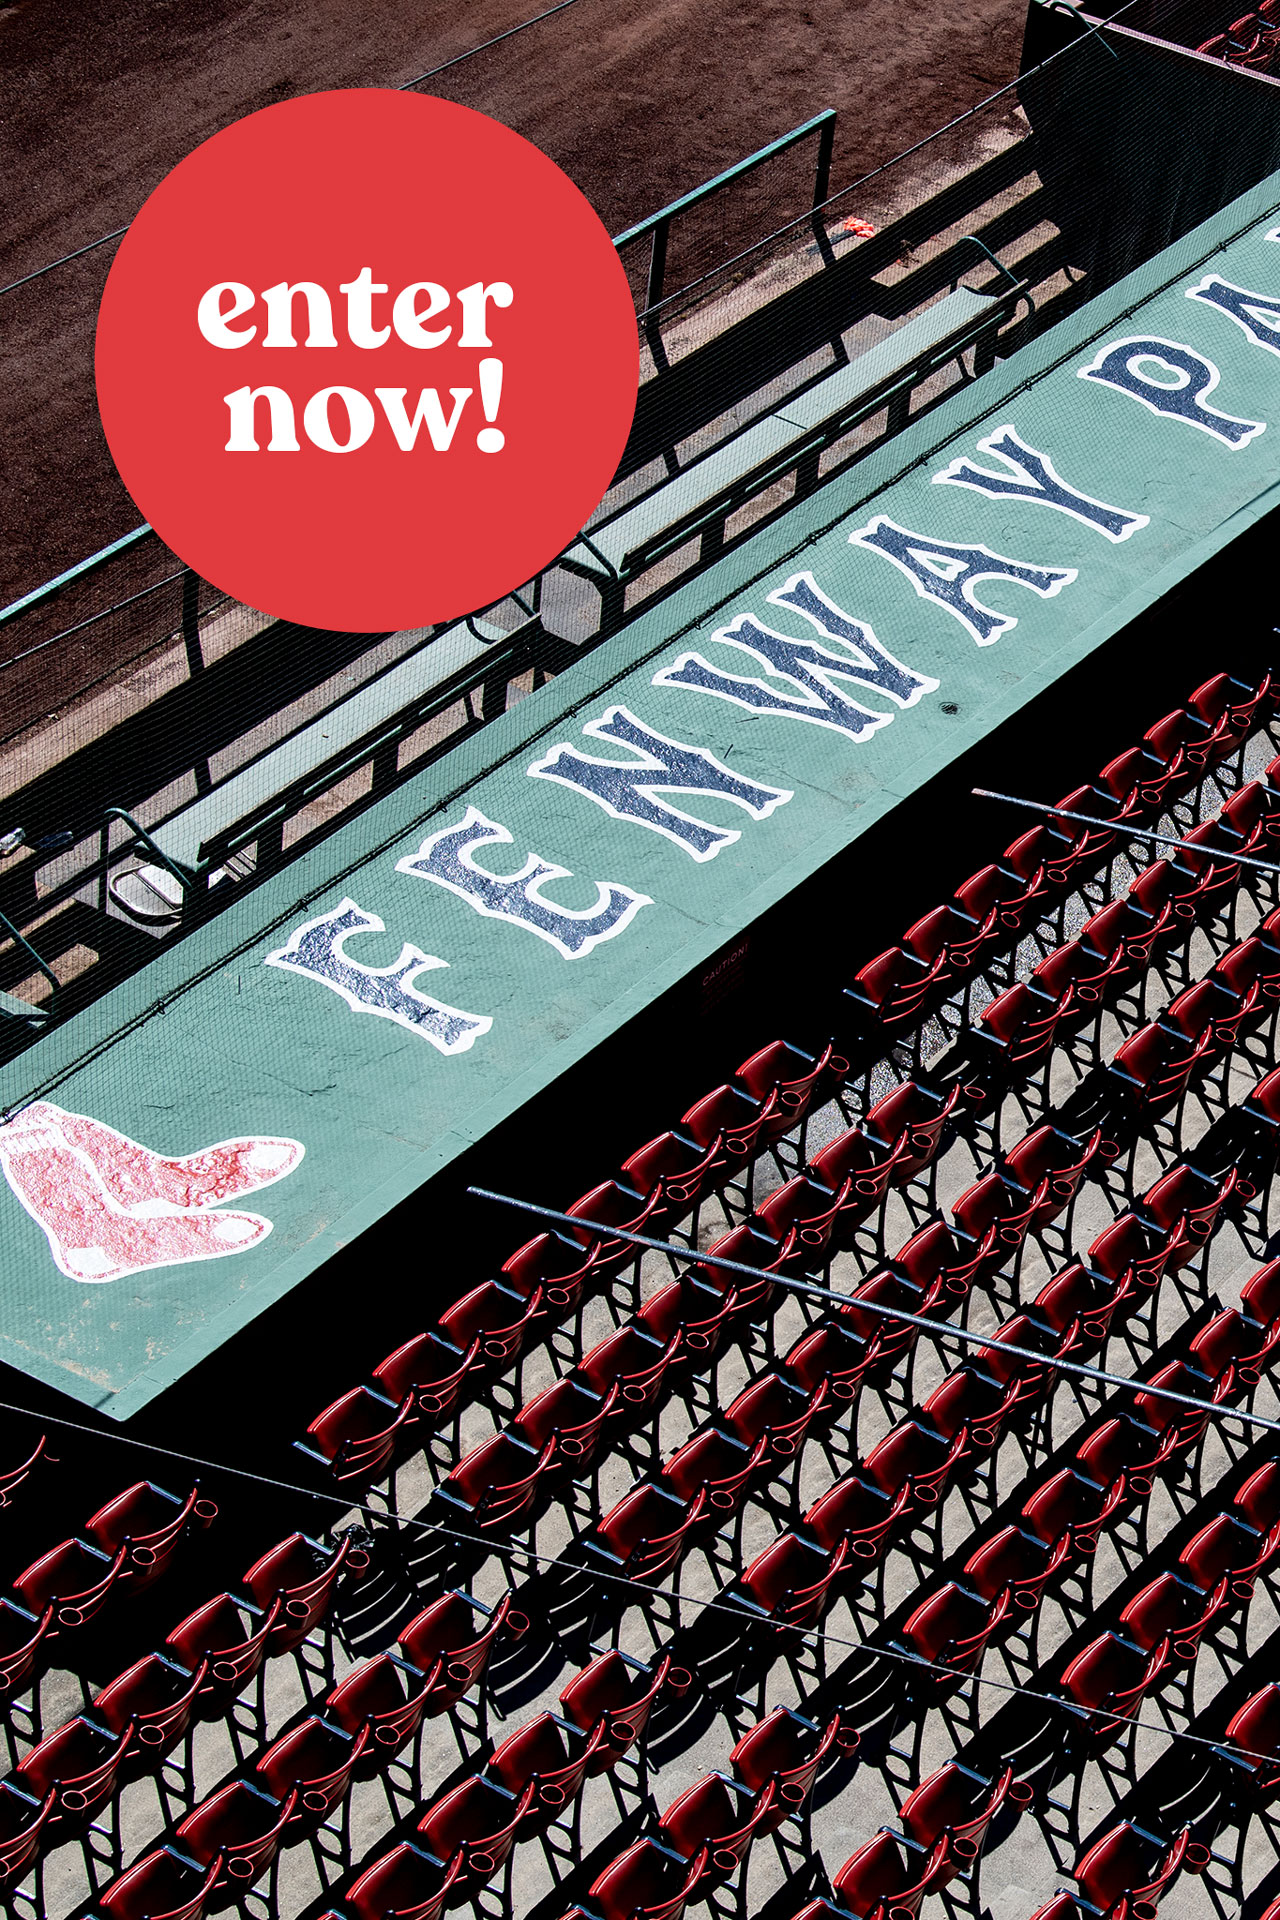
696, 502
196, 848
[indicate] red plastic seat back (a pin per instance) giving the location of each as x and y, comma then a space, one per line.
403, 1882
303, 1576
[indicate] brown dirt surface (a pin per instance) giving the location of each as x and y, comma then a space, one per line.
639, 100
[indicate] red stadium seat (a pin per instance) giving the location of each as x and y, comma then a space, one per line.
431, 1371
645, 1883
1106, 1683
859, 1170
952, 1629
730, 1120
976, 1404
1185, 1207
1125, 1453
24, 1639
912, 1455
806, 1208
80, 1765
566, 1421
1076, 1299
302, 1575
312, 1765
28, 1449
1251, 1747
241, 1826
1235, 1350
678, 1170
957, 1806
631, 1362
692, 1312
404, 1884
882, 1880
495, 1317
551, 1755
498, 1481
717, 1819
618, 1694
476, 1825
718, 1466
857, 1514
1129, 1869
897, 989
220, 1638
386, 1695
22, 1828
1260, 1294
776, 1410
150, 1524
752, 1247
792, 1074
1017, 1563
932, 1261
1228, 1546
1258, 1500
787, 1752
155, 1698
832, 1357
646, 1532
557, 1269
1070, 1503
443, 1644
1048, 1166
993, 1205
72, 1578
1169, 1608
162, 1886
356, 1437
790, 1582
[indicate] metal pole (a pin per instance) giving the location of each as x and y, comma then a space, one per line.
1123, 828
941, 1328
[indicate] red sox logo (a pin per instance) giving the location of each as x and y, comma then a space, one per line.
110, 1207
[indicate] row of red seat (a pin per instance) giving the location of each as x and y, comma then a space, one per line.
647, 1868
586, 1259
1007, 898
125, 1546
944, 1823
468, 1834
651, 1527
1154, 1066
357, 1436
485, 1331
135, 1721
1125, 1874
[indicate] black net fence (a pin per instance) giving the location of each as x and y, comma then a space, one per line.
132, 690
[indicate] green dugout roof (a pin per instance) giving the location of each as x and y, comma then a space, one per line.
194, 1145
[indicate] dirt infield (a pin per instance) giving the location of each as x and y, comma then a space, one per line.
638, 99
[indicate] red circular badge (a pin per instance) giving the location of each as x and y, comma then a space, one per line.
366, 360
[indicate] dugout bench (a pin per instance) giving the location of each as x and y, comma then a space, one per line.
697, 502
201, 846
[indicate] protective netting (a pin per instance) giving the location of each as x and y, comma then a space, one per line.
135, 686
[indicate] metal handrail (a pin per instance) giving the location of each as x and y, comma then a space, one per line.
73, 573
659, 223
